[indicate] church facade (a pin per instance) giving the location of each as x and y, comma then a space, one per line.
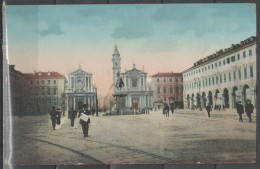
137, 94
79, 90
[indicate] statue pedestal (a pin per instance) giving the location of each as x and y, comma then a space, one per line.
120, 103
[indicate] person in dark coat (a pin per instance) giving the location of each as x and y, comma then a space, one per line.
58, 116
249, 110
172, 109
53, 114
166, 109
93, 111
73, 115
85, 120
208, 108
240, 110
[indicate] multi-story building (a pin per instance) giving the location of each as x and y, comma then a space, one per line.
167, 88
44, 90
223, 78
80, 90
17, 82
138, 95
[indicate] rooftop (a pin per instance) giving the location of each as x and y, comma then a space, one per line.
166, 74
43, 75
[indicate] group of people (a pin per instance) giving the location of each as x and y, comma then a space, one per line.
55, 116
249, 108
84, 116
166, 109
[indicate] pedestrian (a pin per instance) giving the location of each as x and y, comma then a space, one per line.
53, 114
73, 115
240, 110
93, 111
208, 108
85, 120
166, 110
172, 108
249, 110
58, 115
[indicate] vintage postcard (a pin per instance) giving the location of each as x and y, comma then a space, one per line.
130, 84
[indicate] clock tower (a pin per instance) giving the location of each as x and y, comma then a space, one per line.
116, 64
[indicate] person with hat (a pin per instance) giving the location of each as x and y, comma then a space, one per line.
58, 115
72, 116
53, 114
208, 108
249, 110
85, 120
240, 110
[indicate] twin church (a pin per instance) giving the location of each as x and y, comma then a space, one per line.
80, 90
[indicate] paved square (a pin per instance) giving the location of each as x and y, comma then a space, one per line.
186, 136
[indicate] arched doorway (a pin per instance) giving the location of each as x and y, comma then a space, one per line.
246, 94
217, 100
235, 98
198, 100
204, 100
210, 98
226, 98
192, 101
188, 101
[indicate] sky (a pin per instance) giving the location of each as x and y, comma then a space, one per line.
155, 37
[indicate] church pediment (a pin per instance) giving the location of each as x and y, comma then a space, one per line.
79, 72
134, 71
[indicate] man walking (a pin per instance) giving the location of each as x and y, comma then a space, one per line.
166, 110
72, 115
85, 120
240, 111
249, 110
208, 108
53, 117
58, 115
172, 109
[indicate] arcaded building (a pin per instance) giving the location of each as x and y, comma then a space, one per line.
223, 78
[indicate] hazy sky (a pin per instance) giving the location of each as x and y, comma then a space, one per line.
162, 38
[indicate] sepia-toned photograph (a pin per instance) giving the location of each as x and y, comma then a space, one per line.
130, 84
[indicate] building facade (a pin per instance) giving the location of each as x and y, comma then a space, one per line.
44, 90
167, 88
223, 78
17, 83
79, 90
138, 95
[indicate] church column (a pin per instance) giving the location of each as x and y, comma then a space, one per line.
243, 98
74, 102
85, 99
230, 101
88, 102
130, 101
91, 102
67, 103
146, 104
253, 99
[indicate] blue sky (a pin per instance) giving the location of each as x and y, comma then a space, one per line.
162, 38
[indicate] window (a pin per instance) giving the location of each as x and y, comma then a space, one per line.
158, 90
170, 89
208, 67
37, 81
164, 98
234, 75
238, 56
199, 70
31, 91
251, 71
209, 81
164, 90
37, 91
206, 81
245, 73
216, 65
212, 80
176, 79
229, 76
205, 68
43, 91
31, 82
42, 81
250, 52
239, 74
158, 80
225, 78
134, 82
177, 98
216, 79
54, 81
176, 90
142, 81
220, 79
224, 62
244, 54
54, 91
164, 80
219, 63
233, 59
203, 83
212, 66
228, 60
49, 91
49, 82
170, 79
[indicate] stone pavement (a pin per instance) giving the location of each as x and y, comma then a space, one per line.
187, 136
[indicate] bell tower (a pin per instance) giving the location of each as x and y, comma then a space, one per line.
116, 64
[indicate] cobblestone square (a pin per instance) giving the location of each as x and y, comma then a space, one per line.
186, 137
